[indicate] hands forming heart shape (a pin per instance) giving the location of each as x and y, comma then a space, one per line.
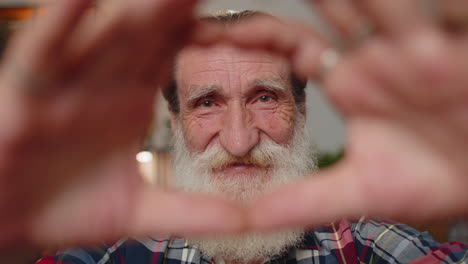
77, 97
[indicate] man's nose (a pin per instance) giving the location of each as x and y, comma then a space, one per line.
238, 135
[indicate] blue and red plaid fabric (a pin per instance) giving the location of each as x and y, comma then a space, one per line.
365, 241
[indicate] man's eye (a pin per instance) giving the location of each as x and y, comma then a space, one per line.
207, 103
265, 98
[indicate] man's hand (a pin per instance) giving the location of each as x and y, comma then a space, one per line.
404, 96
77, 98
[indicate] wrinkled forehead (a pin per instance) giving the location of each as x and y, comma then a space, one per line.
198, 63
225, 51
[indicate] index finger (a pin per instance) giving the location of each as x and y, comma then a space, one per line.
396, 17
48, 33
320, 199
185, 213
297, 42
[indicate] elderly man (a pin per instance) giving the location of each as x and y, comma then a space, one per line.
238, 119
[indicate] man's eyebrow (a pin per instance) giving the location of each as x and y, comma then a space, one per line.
276, 84
197, 92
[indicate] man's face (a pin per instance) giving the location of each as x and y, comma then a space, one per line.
234, 99
238, 135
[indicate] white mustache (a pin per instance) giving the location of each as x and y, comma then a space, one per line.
220, 159
264, 155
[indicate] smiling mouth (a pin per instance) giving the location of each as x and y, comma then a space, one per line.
240, 165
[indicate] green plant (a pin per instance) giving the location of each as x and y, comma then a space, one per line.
327, 159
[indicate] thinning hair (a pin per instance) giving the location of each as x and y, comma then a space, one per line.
229, 18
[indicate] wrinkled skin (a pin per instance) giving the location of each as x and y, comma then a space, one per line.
241, 110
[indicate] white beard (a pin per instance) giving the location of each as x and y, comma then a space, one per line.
193, 172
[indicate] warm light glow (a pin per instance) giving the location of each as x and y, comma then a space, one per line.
144, 157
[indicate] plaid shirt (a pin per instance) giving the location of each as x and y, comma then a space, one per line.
365, 241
